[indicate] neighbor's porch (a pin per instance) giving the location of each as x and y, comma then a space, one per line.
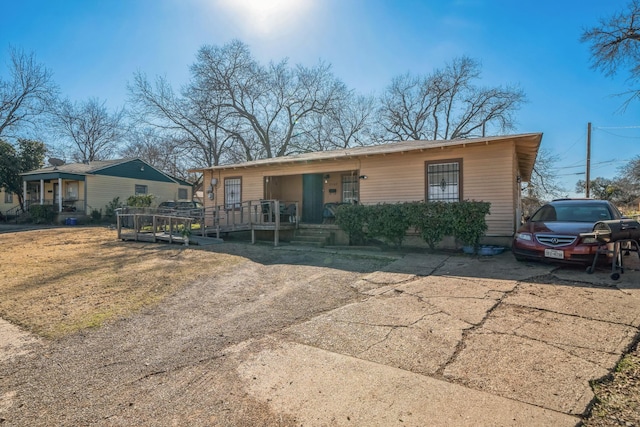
65, 192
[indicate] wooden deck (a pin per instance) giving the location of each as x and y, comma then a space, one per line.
145, 227
151, 225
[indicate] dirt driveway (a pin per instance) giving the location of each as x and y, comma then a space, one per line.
289, 337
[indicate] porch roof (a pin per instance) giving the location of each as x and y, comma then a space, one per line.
76, 169
527, 146
52, 175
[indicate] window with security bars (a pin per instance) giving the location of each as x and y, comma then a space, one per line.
443, 182
232, 193
350, 193
183, 193
8, 197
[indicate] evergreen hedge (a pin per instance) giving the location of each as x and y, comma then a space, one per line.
466, 221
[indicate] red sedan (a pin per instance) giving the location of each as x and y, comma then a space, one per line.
553, 232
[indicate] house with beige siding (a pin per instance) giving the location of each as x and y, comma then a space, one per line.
8, 203
489, 169
83, 187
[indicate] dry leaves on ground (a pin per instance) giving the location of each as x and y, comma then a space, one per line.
81, 277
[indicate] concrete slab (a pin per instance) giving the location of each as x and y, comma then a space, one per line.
380, 282
324, 388
526, 370
463, 298
500, 267
422, 264
400, 310
423, 348
606, 304
596, 341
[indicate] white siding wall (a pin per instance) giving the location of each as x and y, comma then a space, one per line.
102, 189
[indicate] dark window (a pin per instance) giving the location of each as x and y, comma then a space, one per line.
141, 189
350, 192
232, 192
8, 197
183, 193
443, 181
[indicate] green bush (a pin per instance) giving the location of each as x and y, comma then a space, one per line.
110, 209
468, 221
140, 201
433, 220
389, 222
42, 214
96, 215
352, 219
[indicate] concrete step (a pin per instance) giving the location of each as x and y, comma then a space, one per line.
311, 238
312, 232
315, 244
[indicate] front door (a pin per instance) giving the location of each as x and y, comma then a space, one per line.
312, 200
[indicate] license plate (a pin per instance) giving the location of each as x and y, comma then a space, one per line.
554, 253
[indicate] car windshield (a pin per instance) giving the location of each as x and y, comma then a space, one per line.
572, 213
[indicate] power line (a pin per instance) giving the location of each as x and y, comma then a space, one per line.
617, 127
606, 162
579, 139
622, 136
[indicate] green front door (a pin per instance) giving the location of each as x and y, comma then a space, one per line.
312, 200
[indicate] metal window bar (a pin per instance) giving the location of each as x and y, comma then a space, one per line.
443, 182
232, 193
350, 189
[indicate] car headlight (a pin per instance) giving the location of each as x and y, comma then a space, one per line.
589, 240
523, 236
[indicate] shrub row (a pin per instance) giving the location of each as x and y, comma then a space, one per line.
466, 221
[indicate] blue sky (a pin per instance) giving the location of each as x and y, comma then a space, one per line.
94, 47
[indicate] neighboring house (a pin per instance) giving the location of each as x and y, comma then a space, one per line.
488, 169
8, 203
82, 187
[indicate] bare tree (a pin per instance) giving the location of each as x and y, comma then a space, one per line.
265, 103
159, 150
349, 123
92, 132
195, 117
543, 185
615, 43
447, 105
26, 95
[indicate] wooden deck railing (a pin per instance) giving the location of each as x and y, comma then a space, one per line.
246, 216
153, 227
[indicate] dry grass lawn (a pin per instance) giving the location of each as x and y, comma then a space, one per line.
58, 281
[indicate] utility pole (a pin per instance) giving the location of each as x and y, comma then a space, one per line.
588, 180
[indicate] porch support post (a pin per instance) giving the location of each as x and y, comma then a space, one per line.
42, 191
84, 203
276, 232
24, 194
59, 194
